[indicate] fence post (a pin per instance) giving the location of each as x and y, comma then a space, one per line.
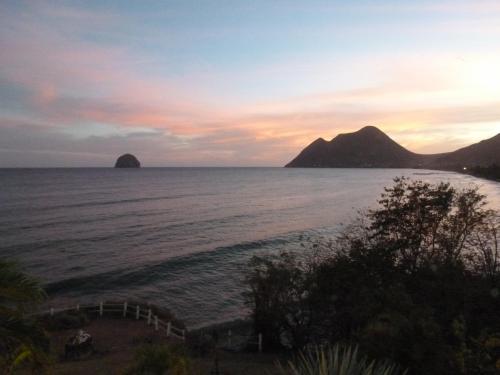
169, 328
77, 307
125, 307
229, 338
156, 322
149, 317
101, 308
260, 342
137, 312
183, 335
51, 311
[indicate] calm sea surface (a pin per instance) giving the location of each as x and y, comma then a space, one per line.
178, 237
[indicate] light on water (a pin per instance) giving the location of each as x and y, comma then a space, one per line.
178, 237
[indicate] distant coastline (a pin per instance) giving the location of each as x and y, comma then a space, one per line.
490, 173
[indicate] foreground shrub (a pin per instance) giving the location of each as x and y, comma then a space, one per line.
337, 360
160, 360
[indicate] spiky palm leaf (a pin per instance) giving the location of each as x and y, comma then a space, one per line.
18, 291
21, 339
337, 360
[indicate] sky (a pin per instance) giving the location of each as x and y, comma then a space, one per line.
240, 83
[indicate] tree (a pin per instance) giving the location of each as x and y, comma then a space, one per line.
278, 300
426, 224
418, 274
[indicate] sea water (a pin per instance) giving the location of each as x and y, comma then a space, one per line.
180, 238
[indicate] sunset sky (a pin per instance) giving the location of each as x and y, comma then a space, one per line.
240, 83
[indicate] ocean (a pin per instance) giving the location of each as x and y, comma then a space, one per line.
180, 238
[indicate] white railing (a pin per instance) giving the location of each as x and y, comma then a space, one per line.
133, 311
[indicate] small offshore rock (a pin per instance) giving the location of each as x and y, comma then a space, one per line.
127, 161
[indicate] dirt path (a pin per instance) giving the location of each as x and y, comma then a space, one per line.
116, 340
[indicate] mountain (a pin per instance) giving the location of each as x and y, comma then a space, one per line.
482, 154
369, 147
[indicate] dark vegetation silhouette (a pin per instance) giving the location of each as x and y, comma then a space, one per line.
415, 281
159, 360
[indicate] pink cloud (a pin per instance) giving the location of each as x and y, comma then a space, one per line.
69, 81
